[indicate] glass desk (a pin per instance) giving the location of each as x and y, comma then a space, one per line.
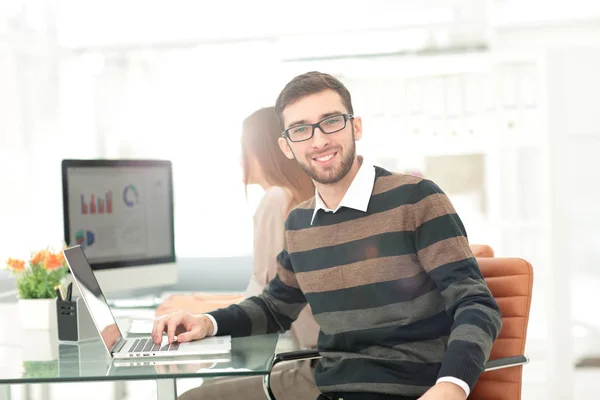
35, 357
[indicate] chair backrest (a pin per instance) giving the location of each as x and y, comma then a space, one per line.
511, 281
482, 250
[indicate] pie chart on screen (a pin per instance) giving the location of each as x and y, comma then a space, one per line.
84, 238
130, 196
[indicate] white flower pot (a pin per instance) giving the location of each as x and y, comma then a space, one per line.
38, 314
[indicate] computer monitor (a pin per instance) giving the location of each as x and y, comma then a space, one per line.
121, 213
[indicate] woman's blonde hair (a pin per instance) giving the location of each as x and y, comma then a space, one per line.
260, 133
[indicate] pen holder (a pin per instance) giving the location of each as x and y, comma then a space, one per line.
74, 321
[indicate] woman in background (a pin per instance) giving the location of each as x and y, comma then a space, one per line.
285, 185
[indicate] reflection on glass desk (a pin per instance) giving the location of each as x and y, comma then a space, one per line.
89, 362
33, 357
30, 357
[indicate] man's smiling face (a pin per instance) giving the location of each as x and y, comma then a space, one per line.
326, 158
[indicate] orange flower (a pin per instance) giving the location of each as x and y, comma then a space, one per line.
53, 261
39, 257
16, 265
61, 257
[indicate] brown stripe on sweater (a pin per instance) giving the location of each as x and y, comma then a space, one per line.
360, 273
386, 183
287, 277
394, 220
433, 206
444, 252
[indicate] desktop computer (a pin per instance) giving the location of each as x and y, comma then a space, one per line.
121, 213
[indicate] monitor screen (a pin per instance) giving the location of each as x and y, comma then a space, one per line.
119, 211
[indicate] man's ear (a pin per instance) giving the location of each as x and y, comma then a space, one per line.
357, 124
285, 147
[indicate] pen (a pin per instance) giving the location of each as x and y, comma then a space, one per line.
58, 292
69, 291
62, 292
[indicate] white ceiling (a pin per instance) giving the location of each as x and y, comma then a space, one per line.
516, 12
117, 23
122, 22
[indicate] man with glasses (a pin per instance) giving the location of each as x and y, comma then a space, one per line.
383, 260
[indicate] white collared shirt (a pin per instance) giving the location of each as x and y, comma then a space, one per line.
358, 194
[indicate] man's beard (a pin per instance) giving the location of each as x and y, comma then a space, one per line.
333, 175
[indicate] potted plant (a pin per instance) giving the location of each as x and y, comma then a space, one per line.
36, 280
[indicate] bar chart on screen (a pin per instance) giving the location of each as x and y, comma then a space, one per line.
97, 204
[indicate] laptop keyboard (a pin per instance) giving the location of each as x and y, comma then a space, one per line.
143, 345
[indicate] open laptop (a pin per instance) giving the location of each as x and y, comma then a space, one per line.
118, 346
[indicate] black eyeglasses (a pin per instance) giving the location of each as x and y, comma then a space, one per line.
331, 124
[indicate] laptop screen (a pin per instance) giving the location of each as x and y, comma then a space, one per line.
92, 295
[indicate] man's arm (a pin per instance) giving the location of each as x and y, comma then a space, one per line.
273, 310
444, 253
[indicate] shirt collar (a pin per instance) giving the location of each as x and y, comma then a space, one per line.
358, 194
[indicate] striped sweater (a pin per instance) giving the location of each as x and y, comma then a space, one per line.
396, 291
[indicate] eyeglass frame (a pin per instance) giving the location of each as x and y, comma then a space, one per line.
347, 117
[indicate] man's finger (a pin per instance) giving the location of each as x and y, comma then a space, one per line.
185, 337
193, 334
172, 325
158, 329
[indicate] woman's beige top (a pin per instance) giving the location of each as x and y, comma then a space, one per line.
269, 221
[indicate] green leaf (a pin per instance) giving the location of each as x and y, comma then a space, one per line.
38, 283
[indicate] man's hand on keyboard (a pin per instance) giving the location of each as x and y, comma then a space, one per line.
186, 327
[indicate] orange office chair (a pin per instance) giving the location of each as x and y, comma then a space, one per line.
511, 282
482, 251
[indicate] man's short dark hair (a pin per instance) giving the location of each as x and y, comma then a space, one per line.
307, 84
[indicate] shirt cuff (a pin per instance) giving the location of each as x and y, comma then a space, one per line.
214, 322
456, 381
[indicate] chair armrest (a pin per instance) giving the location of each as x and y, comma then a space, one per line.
506, 362
282, 357
296, 356
491, 365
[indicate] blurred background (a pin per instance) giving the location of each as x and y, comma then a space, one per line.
495, 100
